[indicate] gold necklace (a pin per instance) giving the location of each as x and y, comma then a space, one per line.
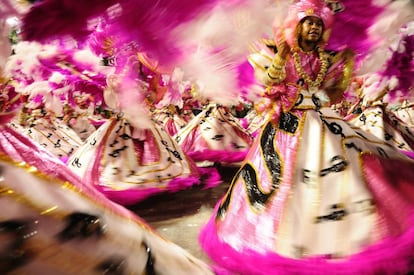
321, 75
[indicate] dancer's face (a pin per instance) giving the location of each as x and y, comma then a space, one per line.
311, 29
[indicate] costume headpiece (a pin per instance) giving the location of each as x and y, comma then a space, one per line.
299, 10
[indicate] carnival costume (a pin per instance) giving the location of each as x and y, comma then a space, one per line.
168, 111
214, 135
56, 224
314, 195
53, 216
372, 114
381, 92
129, 164
130, 158
405, 112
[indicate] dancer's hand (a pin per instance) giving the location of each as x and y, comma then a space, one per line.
283, 49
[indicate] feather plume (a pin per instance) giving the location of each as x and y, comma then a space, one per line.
49, 19
354, 21
220, 40
170, 32
175, 89
385, 31
400, 67
150, 24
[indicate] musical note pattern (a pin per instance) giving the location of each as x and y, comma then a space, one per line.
53, 135
214, 130
304, 180
385, 125
119, 157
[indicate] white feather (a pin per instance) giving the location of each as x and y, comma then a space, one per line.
387, 30
214, 76
221, 41
87, 57
57, 78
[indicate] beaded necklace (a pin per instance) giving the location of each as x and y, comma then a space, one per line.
321, 75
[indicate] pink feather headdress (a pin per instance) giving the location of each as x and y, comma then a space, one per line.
296, 12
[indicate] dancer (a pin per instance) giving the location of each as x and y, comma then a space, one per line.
381, 90
376, 117
314, 195
130, 158
53, 216
214, 136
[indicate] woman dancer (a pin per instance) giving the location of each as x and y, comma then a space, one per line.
314, 195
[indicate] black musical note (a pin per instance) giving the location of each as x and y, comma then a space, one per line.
300, 100
119, 129
57, 144
114, 143
217, 137
338, 212
176, 154
76, 163
117, 152
363, 118
93, 142
125, 136
336, 167
335, 128
352, 145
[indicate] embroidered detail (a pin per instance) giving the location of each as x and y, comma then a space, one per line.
323, 57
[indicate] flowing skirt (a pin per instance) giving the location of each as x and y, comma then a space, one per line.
129, 164
316, 195
55, 224
170, 119
52, 134
214, 135
382, 123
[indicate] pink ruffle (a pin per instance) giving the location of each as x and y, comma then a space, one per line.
391, 256
391, 183
218, 156
209, 177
